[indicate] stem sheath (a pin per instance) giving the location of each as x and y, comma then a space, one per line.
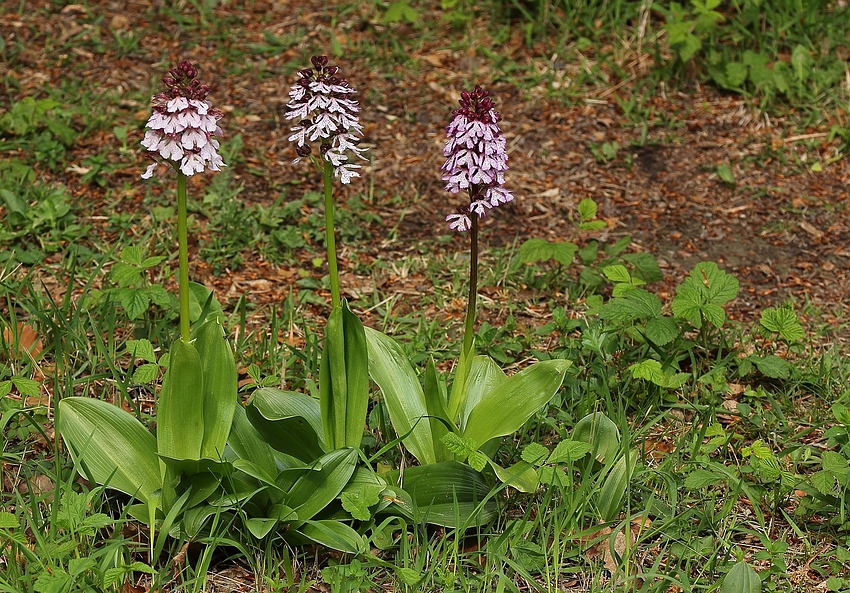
183, 248
333, 271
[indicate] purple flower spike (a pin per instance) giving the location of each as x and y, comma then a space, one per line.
476, 159
321, 101
184, 125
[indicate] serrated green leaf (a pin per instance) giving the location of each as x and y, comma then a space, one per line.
553, 476
146, 373
5, 388
140, 350
703, 293
563, 252
400, 11
834, 462
568, 451
458, 445
662, 330
635, 305
408, 576
593, 225
134, 300
736, 74
784, 322
760, 450
589, 253
772, 366
801, 62
8, 521
477, 461
823, 481
132, 255
587, 209
645, 266
617, 273
535, 250
534, 453
26, 386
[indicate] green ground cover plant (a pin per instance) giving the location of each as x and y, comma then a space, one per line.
158, 431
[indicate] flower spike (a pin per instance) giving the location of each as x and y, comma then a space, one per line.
320, 100
476, 158
183, 127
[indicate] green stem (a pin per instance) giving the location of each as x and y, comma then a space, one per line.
469, 325
333, 271
183, 247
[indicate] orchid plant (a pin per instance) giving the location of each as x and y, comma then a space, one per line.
207, 458
465, 423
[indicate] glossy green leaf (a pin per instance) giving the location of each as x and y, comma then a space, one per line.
405, 399
521, 476
247, 443
334, 535
180, 414
507, 407
110, 445
344, 379
484, 376
220, 391
448, 493
316, 489
614, 487
288, 421
435, 404
600, 432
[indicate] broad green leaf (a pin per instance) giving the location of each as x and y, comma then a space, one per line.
316, 489
247, 443
662, 330
460, 392
199, 297
408, 576
784, 322
636, 304
507, 407
288, 421
568, 451
400, 11
484, 376
110, 446
600, 433
521, 475
334, 535
614, 487
344, 380
741, 579
448, 493
391, 371
180, 414
220, 391
435, 403
701, 478
458, 445
26, 386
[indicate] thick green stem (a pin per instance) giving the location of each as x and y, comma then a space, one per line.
183, 247
469, 326
333, 271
